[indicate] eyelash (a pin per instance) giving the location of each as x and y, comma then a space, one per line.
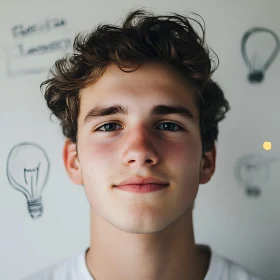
181, 129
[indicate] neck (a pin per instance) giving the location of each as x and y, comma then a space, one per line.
167, 254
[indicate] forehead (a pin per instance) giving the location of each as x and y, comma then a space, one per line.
152, 83
152, 75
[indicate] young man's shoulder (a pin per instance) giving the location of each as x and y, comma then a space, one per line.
67, 269
57, 271
226, 269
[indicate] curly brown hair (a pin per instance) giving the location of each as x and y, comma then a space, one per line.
143, 37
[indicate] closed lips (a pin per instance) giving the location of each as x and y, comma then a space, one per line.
142, 181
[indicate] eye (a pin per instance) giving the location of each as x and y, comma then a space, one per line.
172, 125
109, 126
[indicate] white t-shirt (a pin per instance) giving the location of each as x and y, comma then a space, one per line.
75, 268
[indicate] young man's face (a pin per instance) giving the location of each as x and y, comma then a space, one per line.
139, 145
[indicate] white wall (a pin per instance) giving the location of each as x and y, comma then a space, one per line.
242, 228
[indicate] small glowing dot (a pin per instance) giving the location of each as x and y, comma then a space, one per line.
267, 145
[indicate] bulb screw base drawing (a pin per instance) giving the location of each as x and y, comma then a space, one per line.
35, 208
256, 77
253, 191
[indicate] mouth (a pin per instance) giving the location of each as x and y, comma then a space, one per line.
142, 181
142, 188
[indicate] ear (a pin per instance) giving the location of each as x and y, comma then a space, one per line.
71, 162
208, 165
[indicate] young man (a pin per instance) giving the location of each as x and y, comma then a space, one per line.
140, 115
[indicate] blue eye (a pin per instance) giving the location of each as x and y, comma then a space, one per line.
108, 126
172, 124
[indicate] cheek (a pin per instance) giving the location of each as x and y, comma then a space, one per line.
95, 153
183, 153
96, 159
184, 163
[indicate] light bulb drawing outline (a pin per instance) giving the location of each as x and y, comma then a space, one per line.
257, 75
30, 176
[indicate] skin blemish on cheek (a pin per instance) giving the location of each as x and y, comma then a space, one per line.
89, 178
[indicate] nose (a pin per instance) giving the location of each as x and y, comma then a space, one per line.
140, 148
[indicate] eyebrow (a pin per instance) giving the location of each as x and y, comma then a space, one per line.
156, 110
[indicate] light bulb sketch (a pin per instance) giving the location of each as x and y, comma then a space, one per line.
27, 171
256, 72
252, 171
